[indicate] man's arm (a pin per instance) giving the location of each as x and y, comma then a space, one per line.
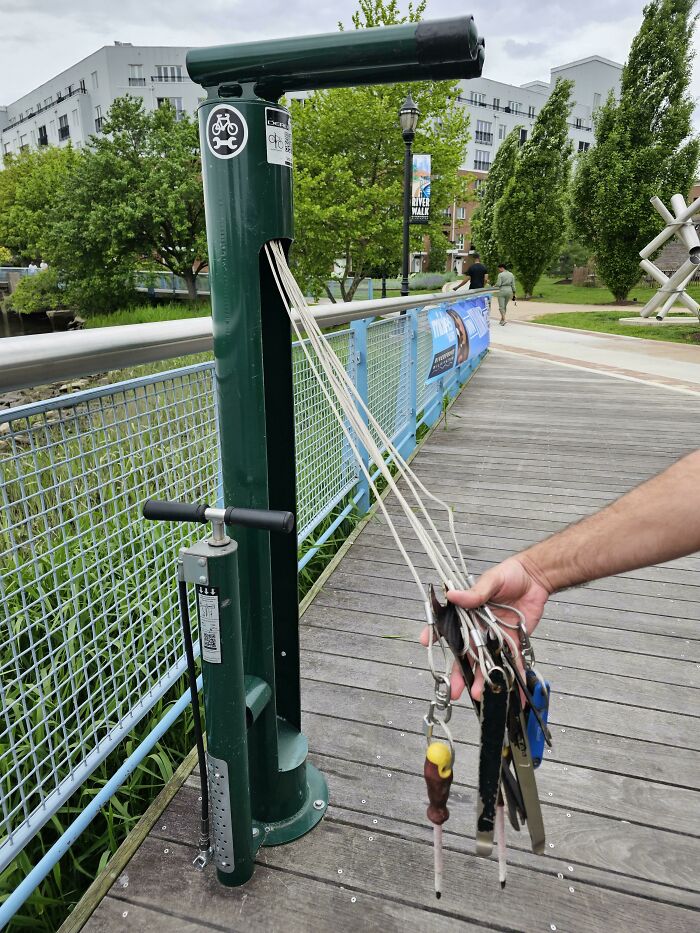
656, 522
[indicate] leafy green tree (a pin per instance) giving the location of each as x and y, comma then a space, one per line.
30, 186
644, 146
483, 230
5, 256
134, 195
349, 169
40, 292
531, 213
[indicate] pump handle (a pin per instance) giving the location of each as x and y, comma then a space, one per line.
159, 511
265, 520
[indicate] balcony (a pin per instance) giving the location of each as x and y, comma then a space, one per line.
63, 132
485, 139
168, 79
481, 166
70, 91
137, 82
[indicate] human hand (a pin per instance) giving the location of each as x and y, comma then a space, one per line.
514, 582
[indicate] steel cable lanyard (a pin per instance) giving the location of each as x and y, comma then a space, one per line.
513, 710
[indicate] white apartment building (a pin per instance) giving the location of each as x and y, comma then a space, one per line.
73, 105
495, 108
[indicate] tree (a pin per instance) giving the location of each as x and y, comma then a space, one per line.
30, 186
531, 213
483, 230
643, 147
349, 169
134, 195
5, 256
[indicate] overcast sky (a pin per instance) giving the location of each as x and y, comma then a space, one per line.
523, 40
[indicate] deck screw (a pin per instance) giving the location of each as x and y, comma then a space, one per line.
376, 821
364, 801
559, 875
319, 804
552, 926
352, 900
571, 890
166, 851
571, 867
340, 871
125, 914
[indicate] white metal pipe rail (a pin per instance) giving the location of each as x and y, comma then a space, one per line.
41, 359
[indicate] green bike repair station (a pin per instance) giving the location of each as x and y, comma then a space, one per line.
263, 790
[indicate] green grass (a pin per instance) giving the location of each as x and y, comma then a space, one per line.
149, 314
608, 322
548, 290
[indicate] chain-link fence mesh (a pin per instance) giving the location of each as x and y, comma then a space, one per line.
91, 636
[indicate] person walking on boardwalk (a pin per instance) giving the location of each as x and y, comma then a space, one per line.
477, 274
505, 283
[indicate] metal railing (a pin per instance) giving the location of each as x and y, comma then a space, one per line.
91, 636
137, 82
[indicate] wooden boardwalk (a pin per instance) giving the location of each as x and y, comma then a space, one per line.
530, 447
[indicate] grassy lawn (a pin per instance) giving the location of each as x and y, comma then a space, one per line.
148, 314
608, 322
547, 289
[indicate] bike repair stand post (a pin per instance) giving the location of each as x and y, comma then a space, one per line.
247, 171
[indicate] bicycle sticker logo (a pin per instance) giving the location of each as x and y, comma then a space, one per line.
227, 132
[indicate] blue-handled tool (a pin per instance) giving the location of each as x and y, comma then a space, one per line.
540, 700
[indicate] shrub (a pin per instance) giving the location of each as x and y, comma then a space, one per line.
40, 292
5, 256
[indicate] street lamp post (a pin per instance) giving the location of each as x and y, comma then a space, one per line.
408, 117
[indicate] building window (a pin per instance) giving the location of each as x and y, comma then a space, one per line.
523, 137
502, 131
23, 143
482, 160
479, 100
459, 242
95, 82
99, 119
514, 106
63, 128
7, 148
531, 111
583, 147
579, 123
478, 185
483, 132
497, 103
136, 78
43, 136
461, 213
596, 101
74, 115
47, 101
174, 102
168, 73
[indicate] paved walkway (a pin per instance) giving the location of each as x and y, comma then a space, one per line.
673, 365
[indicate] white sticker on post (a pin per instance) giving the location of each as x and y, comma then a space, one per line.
278, 127
209, 629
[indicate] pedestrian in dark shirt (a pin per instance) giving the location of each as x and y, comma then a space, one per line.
477, 274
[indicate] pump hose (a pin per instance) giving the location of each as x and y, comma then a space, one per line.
192, 676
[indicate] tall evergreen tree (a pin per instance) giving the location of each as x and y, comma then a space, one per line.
531, 214
483, 230
644, 146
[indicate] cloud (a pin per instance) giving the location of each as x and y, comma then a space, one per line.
524, 49
523, 40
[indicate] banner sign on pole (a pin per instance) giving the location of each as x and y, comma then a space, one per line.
420, 189
460, 333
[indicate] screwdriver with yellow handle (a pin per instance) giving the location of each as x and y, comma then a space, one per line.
437, 771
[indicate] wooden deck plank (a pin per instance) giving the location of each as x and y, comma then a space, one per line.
520, 459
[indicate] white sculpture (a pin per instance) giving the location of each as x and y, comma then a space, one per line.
680, 224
